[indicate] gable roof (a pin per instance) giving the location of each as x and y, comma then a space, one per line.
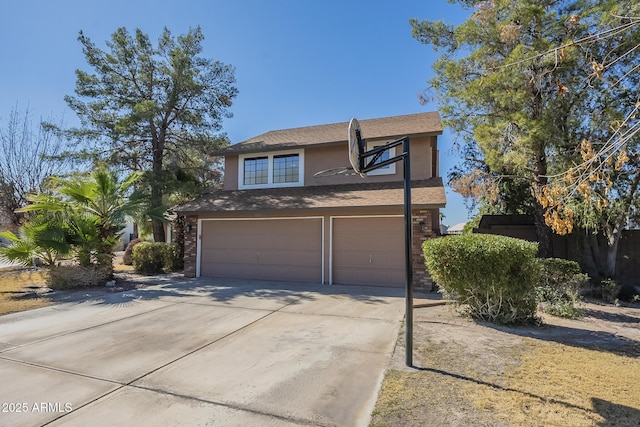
428, 193
396, 126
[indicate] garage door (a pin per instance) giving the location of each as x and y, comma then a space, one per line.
368, 251
274, 249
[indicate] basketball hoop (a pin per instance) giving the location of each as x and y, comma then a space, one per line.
356, 158
356, 146
345, 170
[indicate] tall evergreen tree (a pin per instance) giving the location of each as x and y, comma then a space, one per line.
501, 90
149, 108
544, 96
598, 190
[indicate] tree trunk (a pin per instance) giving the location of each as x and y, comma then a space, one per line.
540, 167
157, 226
593, 256
588, 256
158, 231
612, 253
613, 231
600, 253
543, 232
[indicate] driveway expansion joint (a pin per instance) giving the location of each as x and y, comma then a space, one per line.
88, 328
61, 370
189, 353
232, 405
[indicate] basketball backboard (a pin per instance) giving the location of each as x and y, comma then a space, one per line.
356, 146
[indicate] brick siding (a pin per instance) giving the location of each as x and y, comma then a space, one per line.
422, 230
190, 246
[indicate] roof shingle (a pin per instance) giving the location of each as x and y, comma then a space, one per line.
427, 193
396, 126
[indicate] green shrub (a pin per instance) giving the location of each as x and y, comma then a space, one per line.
176, 257
148, 257
154, 258
560, 287
609, 290
492, 276
128, 252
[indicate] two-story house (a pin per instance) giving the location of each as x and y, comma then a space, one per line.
275, 220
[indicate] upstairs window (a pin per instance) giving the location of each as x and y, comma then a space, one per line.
256, 170
286, 168
279, 169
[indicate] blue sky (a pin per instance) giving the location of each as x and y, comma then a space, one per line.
298, 63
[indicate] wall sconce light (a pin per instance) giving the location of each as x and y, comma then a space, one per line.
189, 228
423, 228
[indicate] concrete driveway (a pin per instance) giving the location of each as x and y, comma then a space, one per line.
198, 352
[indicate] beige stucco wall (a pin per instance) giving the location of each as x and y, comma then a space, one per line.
424, 164
231, 172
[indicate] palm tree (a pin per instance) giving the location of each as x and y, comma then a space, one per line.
43, 238
96, 210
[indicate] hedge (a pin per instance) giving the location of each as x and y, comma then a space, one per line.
493, 277
156, 257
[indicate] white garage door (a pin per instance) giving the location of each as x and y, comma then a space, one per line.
273, 249
368, 251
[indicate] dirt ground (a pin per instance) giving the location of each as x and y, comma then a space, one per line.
583, 372
25, 289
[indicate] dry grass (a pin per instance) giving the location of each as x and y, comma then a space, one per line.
118, 263
556, 384
20, 287
470, 375
18, 290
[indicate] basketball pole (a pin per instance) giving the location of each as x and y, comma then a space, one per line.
357, 157
408, 256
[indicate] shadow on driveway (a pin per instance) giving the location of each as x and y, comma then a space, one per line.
132, 287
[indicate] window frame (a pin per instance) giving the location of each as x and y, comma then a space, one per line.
270, 156
385, 170
259, 161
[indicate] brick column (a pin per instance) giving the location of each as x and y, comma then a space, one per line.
422, 230
190, 245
